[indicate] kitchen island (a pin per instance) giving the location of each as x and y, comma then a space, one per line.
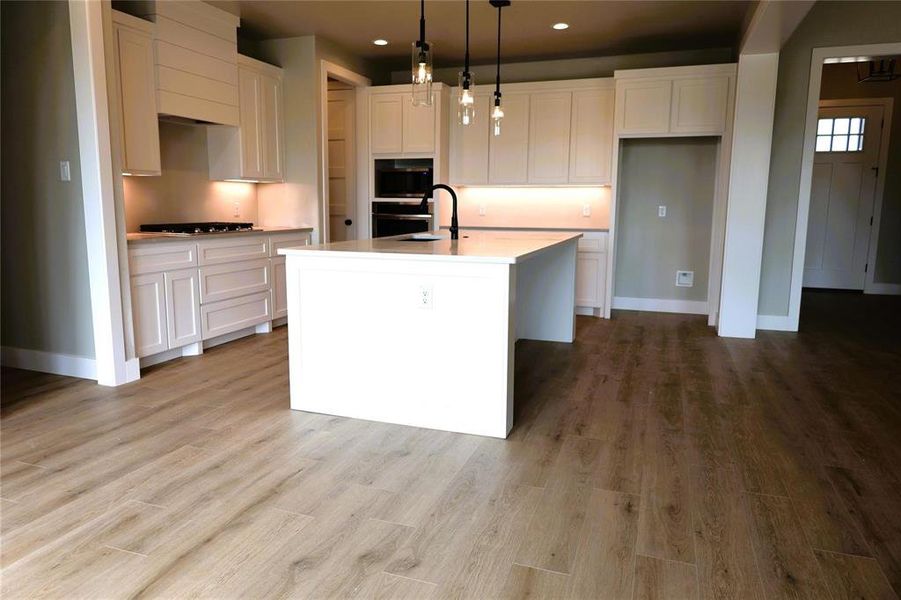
422, 332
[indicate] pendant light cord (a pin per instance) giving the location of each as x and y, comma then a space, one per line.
466, 57
497, 89
422, 23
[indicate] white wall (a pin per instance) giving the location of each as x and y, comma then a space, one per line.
184, 191
46, 303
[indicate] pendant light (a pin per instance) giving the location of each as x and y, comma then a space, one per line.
497, 114
422, 65
466, 102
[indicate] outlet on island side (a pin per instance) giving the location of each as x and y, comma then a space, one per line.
425, 297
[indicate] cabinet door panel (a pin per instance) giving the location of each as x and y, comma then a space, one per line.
225, 316
591, 137
549, 124
271, 121
279, 288
182, 307
419, 126
220, 282
137, 88
148, 302
469, 145
249, 94
643, 106
699, 105
386, 123
508, 158
591, 269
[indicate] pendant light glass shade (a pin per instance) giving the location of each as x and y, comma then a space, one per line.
466, 107
466, 101
422, 65
497, 115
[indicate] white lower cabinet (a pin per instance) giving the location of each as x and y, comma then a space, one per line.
591, 273
185, 293
182, 307
148, 301
226, 316
279, 288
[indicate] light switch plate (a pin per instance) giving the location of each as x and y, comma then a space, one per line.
685, 278
661, 211
65, 174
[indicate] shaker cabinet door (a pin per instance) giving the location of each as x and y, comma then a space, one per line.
148, 301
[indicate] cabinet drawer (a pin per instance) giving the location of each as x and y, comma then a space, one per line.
226, 316
219, 282
593, 242
287, 240
161, 256
249, 247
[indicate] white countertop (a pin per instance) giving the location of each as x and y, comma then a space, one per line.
473, 246
181, 237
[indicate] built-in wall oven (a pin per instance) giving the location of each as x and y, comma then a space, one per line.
402, 177
397, 218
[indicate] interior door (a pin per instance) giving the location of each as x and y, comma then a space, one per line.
341, 165
841, 196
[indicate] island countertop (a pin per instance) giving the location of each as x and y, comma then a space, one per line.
507, 247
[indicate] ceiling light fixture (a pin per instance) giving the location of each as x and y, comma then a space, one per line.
561, 26
422, 65
497, 114
380, 42
466, 102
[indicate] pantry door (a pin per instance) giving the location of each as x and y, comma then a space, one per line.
842, 196
341, 165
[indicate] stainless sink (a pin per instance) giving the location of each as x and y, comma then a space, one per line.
422, 237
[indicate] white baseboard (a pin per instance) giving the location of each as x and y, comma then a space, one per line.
588, 311
776, 323
691, 307
49, 362
892, 289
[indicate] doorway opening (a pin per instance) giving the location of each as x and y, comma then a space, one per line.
339, 151
848, 230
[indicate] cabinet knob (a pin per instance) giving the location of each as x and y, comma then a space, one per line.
348, 222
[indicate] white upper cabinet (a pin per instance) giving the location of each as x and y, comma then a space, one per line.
553, 133
387, 123
591, 136
419, 127
549, 130
645, 106
398, 127
252, 151
674, 101
469, 144
133, 39
699, 105
508, 160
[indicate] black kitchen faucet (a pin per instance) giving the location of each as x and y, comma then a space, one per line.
424, 206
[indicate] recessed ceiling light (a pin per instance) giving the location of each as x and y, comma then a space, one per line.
380, 42
561, 26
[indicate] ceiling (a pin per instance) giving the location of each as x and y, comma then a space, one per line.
597, 27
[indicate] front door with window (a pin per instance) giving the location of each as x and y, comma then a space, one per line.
842, 195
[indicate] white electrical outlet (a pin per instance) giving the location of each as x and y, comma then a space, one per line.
65, 174
482, 210
586, 210
425, 297
685, 278
661, 211
237, 209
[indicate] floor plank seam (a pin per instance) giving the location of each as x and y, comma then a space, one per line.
410, 578
542, 569
111, 547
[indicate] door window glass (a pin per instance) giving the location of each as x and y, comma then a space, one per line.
841, 134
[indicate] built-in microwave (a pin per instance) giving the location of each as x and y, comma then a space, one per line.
403, 177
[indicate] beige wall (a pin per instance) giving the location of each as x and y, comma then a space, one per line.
530, 207
679, 173
184, 192
839, 82
577, 68
827, 24
46, 302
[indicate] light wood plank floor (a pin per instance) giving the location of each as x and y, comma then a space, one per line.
650, 459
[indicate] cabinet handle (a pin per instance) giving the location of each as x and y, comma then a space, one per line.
348, 222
